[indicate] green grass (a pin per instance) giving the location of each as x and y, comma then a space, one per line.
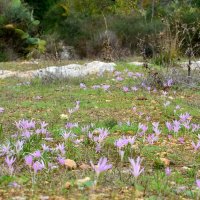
105, 109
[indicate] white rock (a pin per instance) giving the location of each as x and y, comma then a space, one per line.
194, 65
6, 73
76, 70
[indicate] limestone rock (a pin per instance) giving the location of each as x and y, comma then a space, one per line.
70, 164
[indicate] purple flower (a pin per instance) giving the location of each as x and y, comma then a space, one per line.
181, 140
184, 117
77, 141
131, 140
130, 74
138, 74
9, 161
117, 73
119, 78
25, 124
136, 167
121, 142
98, 148
155, 124
128, 123
96, 87
168, 171
195, 127
105, 87
169, 83
90, 135
169, 126
155, 128
186, 124
71, 110
103, 133
142, 127
164, 93
83, 86
152, 138
37, 154
196, 146
71, 125
26, 134
51, 166
61, 148
134, 109
101, 166
157, 131
4, 149
149, 89
148, 118
176, 126
198, 183
38, 166
41, 131
14, 185
43, 124
169, 137
66, 135
29, 160
178, 107
45, 147
134, 88
1, 110
125, 89
19, 146
85, 128
61, 160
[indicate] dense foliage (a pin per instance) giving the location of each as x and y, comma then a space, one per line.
18, 30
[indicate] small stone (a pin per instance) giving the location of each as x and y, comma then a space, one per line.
67, 185
84, 166
165, 161
70, 164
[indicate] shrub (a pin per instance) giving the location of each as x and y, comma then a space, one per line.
17, 26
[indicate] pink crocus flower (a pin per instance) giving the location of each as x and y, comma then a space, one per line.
101, 166
9, 161
125, 89
168, 171
1, 110
198, 183
29, 160
136, 169
38, 166
196, 146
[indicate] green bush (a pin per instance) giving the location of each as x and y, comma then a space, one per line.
84, 29
17, 30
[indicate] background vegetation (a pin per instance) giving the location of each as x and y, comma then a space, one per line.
94, 28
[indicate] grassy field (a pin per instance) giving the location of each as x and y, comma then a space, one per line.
113, 116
